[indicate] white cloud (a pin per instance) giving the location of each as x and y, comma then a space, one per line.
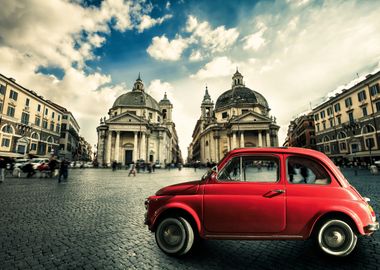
215, 40
195, 56
255, 41
218, 67
157, 89
148, 22
210, 40
163, 49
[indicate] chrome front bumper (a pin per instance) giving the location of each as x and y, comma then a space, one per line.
370, 228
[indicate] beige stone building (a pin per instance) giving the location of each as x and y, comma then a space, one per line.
29, 124
138, 127
347, 125
240, 118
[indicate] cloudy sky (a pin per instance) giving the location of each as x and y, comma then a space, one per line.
83, 54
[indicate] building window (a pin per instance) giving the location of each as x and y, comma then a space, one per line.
337, 107
11, 111
317, 127
364, 110
63, 135
37, 121
7, 129
316, 117
324, 125
52, 126
329, 111
1, 107
38, 107
27, 101
355, 148
339, 120
362, 96
322, 114
342, 146
33, 147
150, 115
59, 117
378, 106
375, 89
46, 111
44, 124
13, 95
369, 143
327, 148
2, 89
64, 117
35, 136
331, 123
25, 118
158, 119
348, 102
5, 142
351, 117
368, 129
52, 115
57, 128
224, 115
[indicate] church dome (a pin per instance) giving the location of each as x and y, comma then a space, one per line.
136, 98
239, 94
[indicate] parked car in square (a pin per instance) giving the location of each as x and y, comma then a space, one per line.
263, 194
38, 161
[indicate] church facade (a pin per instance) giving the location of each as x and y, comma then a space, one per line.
240, 118
138, 128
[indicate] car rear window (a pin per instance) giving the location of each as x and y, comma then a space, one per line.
304, 170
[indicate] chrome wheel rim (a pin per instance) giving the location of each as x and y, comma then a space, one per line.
337, 238
171, 235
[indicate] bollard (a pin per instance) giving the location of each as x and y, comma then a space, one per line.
373, 169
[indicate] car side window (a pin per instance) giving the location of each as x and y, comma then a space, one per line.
263, 169
303, 170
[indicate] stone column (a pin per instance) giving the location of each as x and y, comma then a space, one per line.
268, 138
135, 147
117, 146
147, 147
233, 140
143, 147
242, 139
212, 147
109, 147
260, 139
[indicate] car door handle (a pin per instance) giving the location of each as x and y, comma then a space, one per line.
279, 191
274, 193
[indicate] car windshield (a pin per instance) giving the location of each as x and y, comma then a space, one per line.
209, 172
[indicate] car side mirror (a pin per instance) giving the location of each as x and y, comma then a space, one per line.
215, 169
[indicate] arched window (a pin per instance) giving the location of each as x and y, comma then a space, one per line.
164, 113
50, 139
7, 129
326, 138
35, 136
206, 143
341, 135
368, 129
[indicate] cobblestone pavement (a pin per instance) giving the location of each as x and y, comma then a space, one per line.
95, 220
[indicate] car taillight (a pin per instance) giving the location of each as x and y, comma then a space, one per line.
146, 203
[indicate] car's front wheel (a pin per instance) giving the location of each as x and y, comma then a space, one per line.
336, 237
174, 236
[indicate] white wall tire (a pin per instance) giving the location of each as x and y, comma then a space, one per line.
174, 236
337, 238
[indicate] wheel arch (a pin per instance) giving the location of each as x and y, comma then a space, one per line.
176, 211
351, 218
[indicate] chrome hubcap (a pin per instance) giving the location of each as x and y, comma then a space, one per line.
172, 235
334, 237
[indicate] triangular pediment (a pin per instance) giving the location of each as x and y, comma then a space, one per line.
250, 117
126, 118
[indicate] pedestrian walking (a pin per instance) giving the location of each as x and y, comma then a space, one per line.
3, 166
63, 170
132, 170
154, 167
114, 165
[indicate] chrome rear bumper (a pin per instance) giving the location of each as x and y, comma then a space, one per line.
371, 227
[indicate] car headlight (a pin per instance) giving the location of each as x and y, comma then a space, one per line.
146, 203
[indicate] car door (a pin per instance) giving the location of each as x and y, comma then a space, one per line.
248, 196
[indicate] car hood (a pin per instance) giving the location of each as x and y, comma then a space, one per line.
187, 188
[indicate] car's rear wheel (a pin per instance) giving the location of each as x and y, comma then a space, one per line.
174, 236
336, 237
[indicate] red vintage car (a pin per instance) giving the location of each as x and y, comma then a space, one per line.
263, 194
